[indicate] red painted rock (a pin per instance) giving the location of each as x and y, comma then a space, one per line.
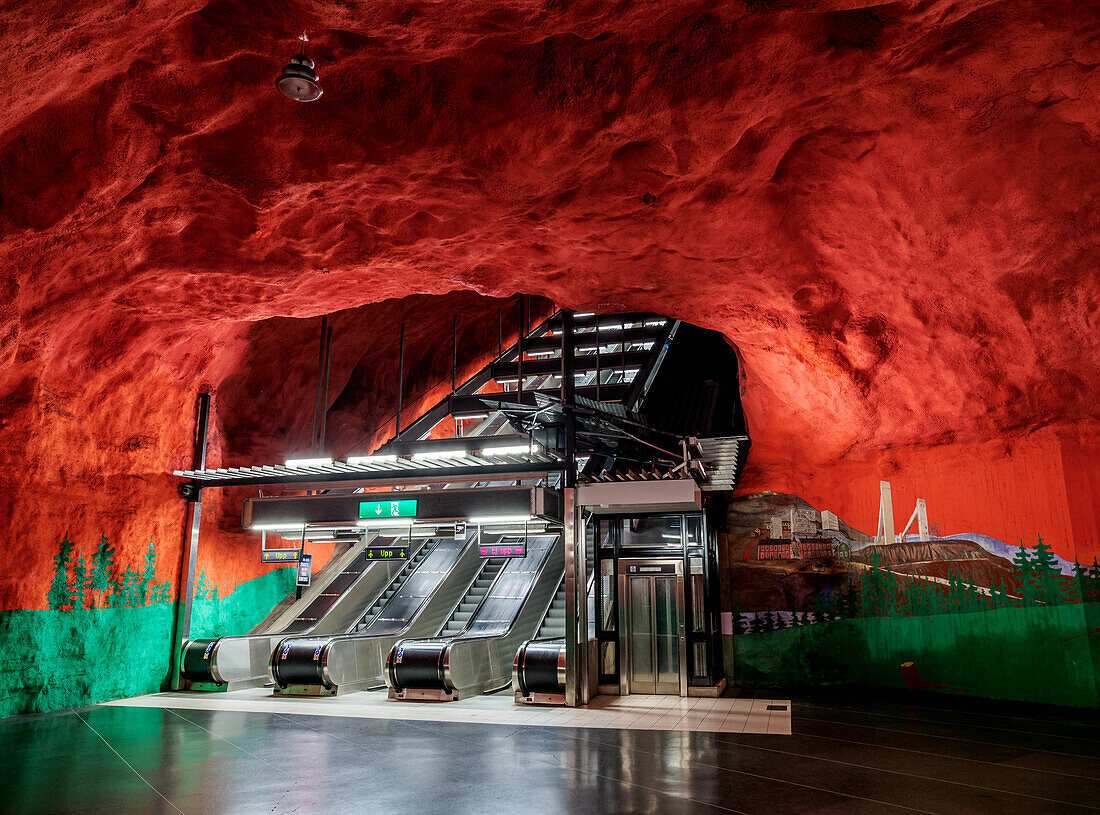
889, 209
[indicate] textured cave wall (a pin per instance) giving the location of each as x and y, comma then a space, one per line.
890, 210
91, 436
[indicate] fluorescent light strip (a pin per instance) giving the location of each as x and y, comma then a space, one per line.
463, 416
438, 454
375, 459
308, 462
280, 527
485, 520
510, 450
584, 314
383, 523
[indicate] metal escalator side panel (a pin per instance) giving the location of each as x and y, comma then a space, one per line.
303, 660
405, 604
378, 576
401, 577
331, 574
475, 664
357, 661
469, 662
511, 589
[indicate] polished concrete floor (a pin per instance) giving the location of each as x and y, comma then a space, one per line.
845, 755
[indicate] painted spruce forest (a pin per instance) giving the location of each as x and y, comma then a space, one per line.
78, 584
962, 613
106, 632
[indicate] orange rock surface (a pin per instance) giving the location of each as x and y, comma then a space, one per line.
891, 211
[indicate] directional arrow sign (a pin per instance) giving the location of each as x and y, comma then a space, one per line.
403, 508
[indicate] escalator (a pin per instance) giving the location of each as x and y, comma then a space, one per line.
553, 625
479, 658
422, 600
336, 597
538, 670
410, 566
471, 602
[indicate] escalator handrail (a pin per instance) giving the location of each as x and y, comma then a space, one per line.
408, 560
519, 608
462, 596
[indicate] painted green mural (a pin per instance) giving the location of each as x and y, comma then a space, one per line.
957, 614
107, 631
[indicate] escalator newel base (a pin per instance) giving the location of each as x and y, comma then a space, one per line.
538, 673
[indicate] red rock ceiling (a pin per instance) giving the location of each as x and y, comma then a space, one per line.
891, 210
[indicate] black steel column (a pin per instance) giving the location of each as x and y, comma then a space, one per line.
320, 376
577, 691
324, 397
519, 345
454, 354
599, 372
400, 382
185, 583
568, 384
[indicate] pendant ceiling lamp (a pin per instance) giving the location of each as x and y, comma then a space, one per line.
298, 80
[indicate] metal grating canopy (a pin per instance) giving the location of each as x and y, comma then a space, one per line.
465, 465
721, 457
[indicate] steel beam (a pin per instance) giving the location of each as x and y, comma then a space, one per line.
572, 630
181, 628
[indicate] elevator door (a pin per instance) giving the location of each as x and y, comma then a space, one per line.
653, 609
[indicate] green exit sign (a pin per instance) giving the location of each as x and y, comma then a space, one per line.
405, 508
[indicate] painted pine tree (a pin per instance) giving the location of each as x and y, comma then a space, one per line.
162, 593
58, 596
80, 586
103, 567
129, 589
997, 594
1046, 569
1071, 590
149, 575
1023, 572
877, 589
204, 589
954, 590
1094, 581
